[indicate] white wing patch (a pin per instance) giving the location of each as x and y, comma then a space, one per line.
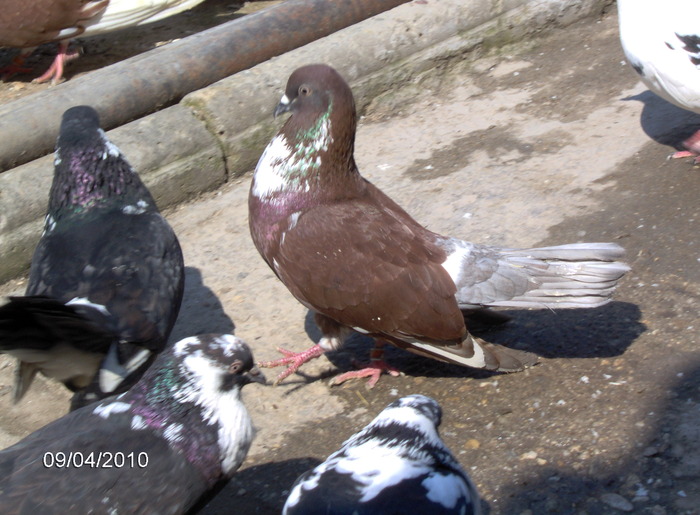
105, 410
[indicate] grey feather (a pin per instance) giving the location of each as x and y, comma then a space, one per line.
566, 276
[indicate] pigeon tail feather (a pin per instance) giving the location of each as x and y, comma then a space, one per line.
39, 322
579, 275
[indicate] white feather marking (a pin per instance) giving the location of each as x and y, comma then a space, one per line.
137, 423
138, 209
84, 301
113, 372
173, 433
294, 219
446, 489
49, 224
269, 173
105, 410
110, 148
137, 360
478, 360
454, 263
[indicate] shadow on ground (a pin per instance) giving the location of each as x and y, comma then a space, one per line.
201, 311
664, 122
259, 489
601, 332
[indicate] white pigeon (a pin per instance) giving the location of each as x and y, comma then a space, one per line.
661, 41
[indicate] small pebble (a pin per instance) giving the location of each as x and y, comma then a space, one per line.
616, 501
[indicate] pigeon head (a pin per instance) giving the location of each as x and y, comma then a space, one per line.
196, 383
313, 152
89, 170
219, 362
312, 90
420, 404
413, 410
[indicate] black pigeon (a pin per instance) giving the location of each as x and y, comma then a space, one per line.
154, 449
396, 465
350, 253
106, 278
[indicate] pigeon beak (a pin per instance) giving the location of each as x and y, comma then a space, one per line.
255, 376
284, 106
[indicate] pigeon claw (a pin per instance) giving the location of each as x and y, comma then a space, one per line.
292, 360
373, 370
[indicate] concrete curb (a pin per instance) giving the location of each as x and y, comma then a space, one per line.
219, 132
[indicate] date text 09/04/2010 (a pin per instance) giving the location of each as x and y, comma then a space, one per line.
100, 459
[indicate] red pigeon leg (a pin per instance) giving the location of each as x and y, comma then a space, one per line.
692, 146
293, 360
373, 369
55, 71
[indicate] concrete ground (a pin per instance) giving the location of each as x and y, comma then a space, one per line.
553, 141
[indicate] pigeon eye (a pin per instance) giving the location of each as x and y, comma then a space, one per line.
304, 91
235, 367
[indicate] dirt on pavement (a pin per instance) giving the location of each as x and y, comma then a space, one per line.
551, 141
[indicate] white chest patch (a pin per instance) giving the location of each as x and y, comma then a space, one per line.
285, 166
270, 174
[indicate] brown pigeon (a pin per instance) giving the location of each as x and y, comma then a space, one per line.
27, 24
351, 254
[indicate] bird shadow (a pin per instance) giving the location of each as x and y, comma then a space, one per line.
664, 122
600, 332
260, 489
201, 311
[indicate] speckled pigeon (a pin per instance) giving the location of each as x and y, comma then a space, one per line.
396, 465
154, 449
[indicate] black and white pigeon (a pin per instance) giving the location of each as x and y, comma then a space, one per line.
154, 449
348, 252
661, 41
106, 278
396, 465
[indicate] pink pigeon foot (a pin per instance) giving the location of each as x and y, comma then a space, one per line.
373, 369
55, 71
293, 360
692, 149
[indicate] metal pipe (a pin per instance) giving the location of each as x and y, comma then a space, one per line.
156, 79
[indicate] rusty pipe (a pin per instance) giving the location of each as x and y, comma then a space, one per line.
156, 79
